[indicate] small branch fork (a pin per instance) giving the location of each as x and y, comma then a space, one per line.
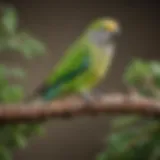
115, 103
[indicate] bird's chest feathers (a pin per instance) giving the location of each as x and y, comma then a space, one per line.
101, 61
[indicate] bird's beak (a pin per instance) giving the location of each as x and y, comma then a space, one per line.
113, 27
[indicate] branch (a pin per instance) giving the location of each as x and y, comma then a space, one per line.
74, 106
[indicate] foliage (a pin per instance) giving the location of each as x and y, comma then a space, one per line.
13, 41
135, 137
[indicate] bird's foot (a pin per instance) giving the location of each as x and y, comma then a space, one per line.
90, 100
87, 97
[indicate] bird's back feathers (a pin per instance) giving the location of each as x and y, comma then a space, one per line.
73, 65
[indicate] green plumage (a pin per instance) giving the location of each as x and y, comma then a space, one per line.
81, 68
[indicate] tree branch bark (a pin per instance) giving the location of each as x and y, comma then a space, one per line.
75, 106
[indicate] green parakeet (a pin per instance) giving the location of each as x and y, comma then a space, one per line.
84, 64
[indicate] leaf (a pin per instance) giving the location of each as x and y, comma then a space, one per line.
9, 20
17, 72
30, 46
7, 72
155, 155
20, 140
155, 66
124, 121
136, 72
35, 128
3, 77
25, 44
5, 153
13, 41
3, 70
133, 144
12, 93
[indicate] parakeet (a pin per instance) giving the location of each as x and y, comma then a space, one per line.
85, 63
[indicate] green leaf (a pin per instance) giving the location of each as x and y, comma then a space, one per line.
124, 121
5, 153
155, 66
9, 20
35, 128
12, 93
3, 71
20, 140
12, 41
155, 155
133, 144
17, 72
3, 77
30, 46
136, 72
7, 72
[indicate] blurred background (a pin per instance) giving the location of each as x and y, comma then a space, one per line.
57, 24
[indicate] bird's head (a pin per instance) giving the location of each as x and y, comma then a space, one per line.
104, 31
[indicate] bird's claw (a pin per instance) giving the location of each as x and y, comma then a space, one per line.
90, 100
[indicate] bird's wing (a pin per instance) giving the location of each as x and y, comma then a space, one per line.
74, 63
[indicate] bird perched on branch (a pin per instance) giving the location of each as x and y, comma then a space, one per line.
84, 64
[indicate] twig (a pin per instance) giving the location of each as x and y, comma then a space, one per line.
73, 106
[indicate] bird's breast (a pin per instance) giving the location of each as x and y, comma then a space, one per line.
101, 62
